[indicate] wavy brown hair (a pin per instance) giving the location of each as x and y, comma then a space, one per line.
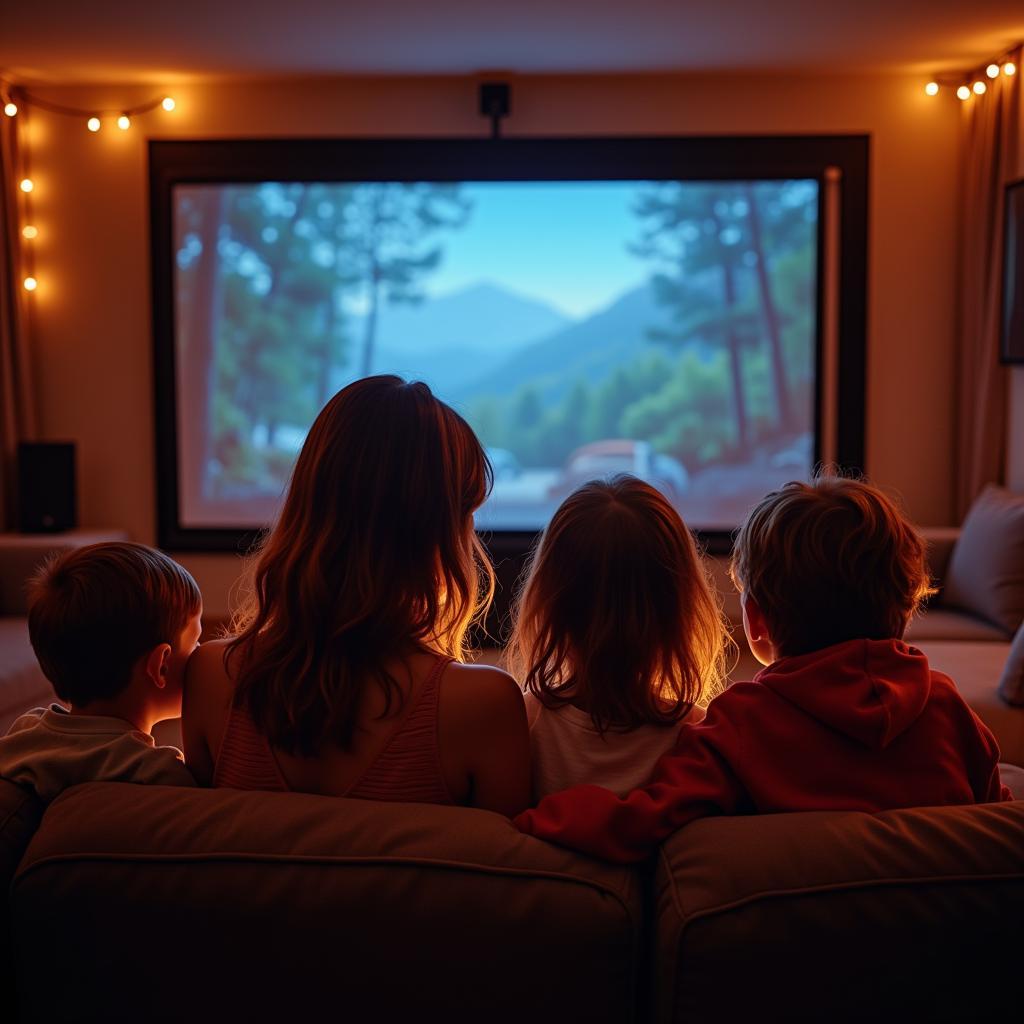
829, 561
617, 608
373, 557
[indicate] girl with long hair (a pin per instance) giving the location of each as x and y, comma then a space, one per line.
345, 673
619, 638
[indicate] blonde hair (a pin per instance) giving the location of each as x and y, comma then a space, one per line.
828, 561
374, 556
617, 606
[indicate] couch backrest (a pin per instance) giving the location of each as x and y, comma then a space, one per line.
223, 905
906, 915
20, 812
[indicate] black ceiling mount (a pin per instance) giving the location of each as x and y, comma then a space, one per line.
495, 104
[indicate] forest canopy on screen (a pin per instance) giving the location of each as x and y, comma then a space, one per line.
664, 328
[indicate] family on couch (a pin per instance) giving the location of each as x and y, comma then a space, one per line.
344, 676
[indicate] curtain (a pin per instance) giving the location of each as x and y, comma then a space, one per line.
17, 406
990, 160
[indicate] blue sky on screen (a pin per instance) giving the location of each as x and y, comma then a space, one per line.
561, 242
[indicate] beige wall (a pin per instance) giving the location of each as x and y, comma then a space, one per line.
91, 321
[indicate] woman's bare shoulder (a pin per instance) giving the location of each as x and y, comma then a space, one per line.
479, 677
207, 672
209, 655
484, 687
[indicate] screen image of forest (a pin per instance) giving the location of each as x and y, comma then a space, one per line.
661, 328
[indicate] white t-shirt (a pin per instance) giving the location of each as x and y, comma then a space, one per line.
566, 749
50, 750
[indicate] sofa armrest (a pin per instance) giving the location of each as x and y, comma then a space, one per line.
940, 540
22, 553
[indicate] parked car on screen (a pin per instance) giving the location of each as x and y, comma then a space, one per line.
504, 464
798, 454
602, 459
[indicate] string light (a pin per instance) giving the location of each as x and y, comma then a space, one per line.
975, 84
93, 122
27, 99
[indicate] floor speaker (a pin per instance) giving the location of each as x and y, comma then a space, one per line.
46, 486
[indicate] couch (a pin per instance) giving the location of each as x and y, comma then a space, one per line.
155, 903
969, 648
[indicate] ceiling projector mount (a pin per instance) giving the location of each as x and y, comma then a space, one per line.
495, 104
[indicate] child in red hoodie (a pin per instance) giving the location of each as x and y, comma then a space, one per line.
845, 716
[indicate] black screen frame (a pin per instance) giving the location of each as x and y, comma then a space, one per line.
695, 158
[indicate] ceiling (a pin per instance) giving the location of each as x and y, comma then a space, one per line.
114, 40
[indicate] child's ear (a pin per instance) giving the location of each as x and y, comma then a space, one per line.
157, 664
755, 617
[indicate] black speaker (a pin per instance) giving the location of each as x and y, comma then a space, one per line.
46, 486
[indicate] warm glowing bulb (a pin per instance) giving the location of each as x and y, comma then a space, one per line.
30, 284
992, 71
27, 185
168, 104
963, 92
932, 88
29, 231
980, 87
123, 123
1009, 68
10, 109
93, 124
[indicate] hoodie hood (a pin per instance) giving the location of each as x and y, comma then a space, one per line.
869, 690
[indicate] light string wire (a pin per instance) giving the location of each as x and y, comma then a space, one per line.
15, 104
973, 82
11, 93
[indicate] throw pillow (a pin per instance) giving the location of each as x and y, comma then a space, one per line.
1011, 682
986, 572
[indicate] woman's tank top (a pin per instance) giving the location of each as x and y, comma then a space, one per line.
408, 768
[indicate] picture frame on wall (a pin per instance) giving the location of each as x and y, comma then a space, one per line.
1011, 340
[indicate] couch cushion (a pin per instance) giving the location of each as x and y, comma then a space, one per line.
976, 668
906, 915
287, 903
1011, 682
986, 571
22, 683
949, 624
20, 812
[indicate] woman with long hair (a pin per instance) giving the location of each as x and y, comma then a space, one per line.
345, 673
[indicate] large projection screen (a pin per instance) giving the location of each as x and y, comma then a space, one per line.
664, 325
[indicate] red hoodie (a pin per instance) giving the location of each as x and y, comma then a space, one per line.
865, 725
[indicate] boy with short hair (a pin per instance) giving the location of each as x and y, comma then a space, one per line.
844, 717
113, 626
